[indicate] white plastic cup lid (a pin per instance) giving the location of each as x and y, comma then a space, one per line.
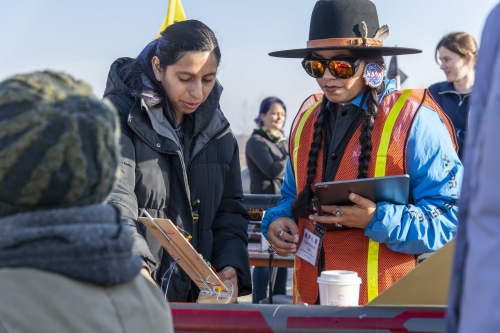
339, 277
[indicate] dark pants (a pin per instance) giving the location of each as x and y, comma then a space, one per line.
260, 279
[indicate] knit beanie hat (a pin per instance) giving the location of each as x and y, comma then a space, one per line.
58, 144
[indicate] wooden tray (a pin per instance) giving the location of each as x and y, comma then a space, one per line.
212, 290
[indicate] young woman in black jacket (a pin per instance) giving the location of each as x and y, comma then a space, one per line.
180, 158
266, 154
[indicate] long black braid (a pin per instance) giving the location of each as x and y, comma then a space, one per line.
302, 206
365, 139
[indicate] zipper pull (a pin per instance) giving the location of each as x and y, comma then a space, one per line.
194, 210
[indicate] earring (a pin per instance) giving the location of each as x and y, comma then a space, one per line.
373, 75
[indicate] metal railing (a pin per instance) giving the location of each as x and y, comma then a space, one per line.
260, 201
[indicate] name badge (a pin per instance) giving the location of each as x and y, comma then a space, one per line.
311, 244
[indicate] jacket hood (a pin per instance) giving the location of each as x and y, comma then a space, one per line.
208, 115
207, 112
114, 83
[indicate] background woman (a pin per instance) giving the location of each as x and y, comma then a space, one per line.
180, 158
456, 52
360, 127
266, 155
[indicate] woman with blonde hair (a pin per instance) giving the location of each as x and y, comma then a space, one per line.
456, 52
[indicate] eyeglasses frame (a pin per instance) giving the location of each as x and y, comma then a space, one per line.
326, 64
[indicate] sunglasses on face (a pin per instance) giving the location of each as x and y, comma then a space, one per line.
343, 68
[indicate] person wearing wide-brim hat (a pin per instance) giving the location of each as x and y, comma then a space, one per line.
361, 127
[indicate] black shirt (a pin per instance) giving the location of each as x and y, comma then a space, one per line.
338, 130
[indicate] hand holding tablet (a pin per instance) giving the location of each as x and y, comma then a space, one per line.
352, 203
392, 189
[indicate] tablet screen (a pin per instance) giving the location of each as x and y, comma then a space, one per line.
392, 189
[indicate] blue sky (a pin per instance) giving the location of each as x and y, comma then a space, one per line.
84, 37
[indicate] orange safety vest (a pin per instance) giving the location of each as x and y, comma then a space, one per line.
377, 265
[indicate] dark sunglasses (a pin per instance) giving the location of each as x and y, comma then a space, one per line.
343, 68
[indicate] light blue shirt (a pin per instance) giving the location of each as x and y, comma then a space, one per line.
435, 181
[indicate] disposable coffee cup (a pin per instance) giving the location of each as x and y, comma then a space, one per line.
339, 288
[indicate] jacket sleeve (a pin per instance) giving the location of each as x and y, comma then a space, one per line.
435, 181
474, 292
230, 228
123, 195
284, 207
258, 152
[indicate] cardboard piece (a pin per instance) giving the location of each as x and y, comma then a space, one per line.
428, 284
212, 290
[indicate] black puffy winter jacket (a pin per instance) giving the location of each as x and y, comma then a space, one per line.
156, 175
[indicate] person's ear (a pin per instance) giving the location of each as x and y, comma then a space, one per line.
155, 63
262, 116
469, 59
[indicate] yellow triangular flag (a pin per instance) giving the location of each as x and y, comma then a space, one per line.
175, 14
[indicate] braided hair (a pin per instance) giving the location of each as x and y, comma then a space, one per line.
302, 206
369, 116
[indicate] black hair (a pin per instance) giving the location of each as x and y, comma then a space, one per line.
175, 41
302, 206
265, 106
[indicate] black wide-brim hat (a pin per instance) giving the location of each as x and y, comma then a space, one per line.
345, 25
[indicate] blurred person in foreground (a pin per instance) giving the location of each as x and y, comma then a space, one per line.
180, 158
456, 52
66, 261
474, 293
266, 154
362, 127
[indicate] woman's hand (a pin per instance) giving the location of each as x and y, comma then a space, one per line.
357, 216
229, 273
277, 234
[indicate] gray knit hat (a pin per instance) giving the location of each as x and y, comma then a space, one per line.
58, 144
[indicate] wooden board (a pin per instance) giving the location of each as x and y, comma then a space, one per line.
426, 285
211, 287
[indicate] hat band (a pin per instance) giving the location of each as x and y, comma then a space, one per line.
317, 43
